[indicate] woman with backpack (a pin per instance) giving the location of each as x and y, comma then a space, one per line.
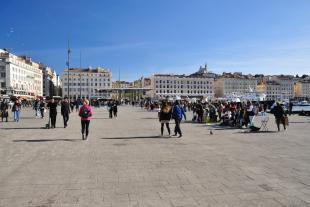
85, 113
165, 115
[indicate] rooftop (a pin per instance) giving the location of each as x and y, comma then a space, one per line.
88, 70
237, 75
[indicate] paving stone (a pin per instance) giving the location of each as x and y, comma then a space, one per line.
126, 163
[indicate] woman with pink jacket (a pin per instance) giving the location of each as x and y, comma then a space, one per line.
85, 113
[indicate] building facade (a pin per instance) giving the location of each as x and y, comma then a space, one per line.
181, 85
20, 76
85, 83
234, 84
50, 81
142, 83
273, 91
287, 84
122, 84
302, 88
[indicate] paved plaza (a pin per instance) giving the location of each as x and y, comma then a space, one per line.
126, 163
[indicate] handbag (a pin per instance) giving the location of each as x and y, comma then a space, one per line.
286, 121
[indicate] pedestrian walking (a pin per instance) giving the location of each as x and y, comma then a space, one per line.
290, 108
36, 108
65, 111
42, 108
4, 110
52, 105
178, 114
165, 117
85, 113
72, 105
110, 108
250, 114
16, 108
76, 105
279, 115
115, 109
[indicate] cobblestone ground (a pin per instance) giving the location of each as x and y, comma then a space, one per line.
126, 163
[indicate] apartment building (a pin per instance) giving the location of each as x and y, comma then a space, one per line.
51, 83
86, 83
234, 84
302, 88
122, 84
20, 76
287, 83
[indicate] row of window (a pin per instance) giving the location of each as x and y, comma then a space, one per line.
87, 74
24, 72
84, 84
26, 87
182, 82
82, 90
23, 65
90, 79
181, 86
185, 91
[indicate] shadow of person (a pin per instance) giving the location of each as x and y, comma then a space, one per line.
46, 140
137, 137
23, 128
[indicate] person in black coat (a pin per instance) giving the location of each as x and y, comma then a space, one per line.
110, 108
4, 107
52, 105
165, 115
115, 109
42, 107
279, 114
65, 111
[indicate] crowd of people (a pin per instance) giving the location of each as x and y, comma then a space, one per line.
234, 114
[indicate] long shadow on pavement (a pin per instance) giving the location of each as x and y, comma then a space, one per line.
138, 137
46, 140
299, 122
256, 132
23, 128
29, 117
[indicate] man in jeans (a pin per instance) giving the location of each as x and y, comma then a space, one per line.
65, 110
177, 114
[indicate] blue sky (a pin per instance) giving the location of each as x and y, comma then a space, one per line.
142, 37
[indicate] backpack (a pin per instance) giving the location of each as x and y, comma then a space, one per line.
84, 113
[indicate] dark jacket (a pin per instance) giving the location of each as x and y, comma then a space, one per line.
165, 116
114, 107
278, 111
42, 105
4, 109
65, 108
16, 107
52, 107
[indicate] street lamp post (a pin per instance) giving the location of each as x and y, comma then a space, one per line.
68, 64
87, 86
80, 87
